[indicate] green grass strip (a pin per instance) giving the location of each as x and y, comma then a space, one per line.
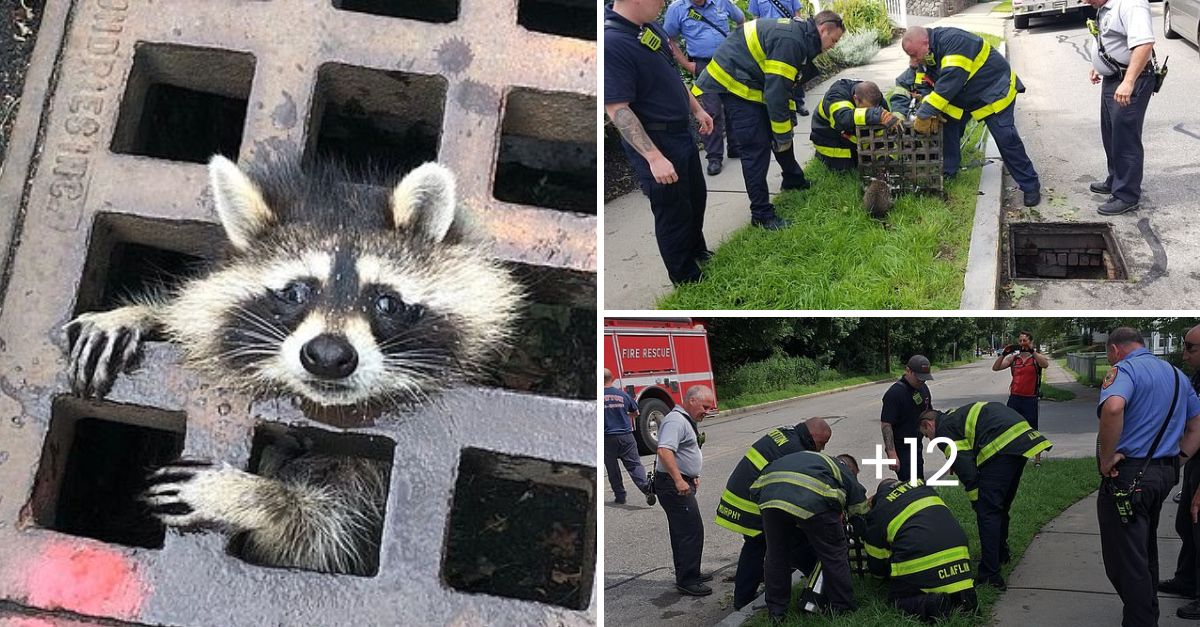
1003, 7
1044, 493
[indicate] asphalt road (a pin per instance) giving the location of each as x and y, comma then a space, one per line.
639, 579
1058, 118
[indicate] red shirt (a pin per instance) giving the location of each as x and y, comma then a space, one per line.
1025, 374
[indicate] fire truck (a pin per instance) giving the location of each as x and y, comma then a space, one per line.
656, 360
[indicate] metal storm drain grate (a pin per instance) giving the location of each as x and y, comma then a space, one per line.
1065, 250
907, 161
490, 512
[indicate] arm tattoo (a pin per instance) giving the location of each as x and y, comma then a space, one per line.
630, 127
889, 442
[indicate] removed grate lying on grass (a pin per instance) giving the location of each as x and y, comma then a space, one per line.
1045, 492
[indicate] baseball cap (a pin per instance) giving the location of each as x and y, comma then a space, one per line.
920, 366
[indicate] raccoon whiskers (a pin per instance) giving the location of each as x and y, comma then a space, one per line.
274, 332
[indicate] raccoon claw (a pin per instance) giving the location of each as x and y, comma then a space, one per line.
102, 345
192, 493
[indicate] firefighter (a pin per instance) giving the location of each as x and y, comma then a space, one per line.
739, 513
809, 493
847, 104
972, 80
910, 89
993, 443
754, 71
914, 541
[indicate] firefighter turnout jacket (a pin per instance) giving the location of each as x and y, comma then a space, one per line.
982, 431
759, 62
912, 537
833, 127
807, 483
913, 82
737, 511
972, 78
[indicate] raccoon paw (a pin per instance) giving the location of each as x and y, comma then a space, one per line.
103, 344
194, 493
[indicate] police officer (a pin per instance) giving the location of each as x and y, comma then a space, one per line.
1122, 48
1026, 365
808, 493
649, 104
787, 9
848, 104
1186, 581
754, 71
993, 443
972, 80
702, 25
903, 404
737, 510
914, 541
676, 479
1141, 397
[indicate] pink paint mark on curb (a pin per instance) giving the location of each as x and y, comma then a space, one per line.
84, 579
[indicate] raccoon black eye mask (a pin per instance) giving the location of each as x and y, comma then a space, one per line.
341, 294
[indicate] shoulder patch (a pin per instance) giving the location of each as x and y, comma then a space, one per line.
1110, 377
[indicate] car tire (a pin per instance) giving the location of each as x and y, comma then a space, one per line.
652, 412
1021, 21
1167, 32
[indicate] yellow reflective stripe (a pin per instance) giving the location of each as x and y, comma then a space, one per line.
877, 552
860, 117
740, 90
957, 586
833, 467
838, 106
973, 495
972, 419
941, 104
756, 458
798, 512
859, 508
1001, 104
836, 153
956, 60
1000, 442
920, 78
980, 59
739, 502
780, 128
696, 90
1041, 446
779, 68
791, 104
732, 526
907, 512
756, 51
803, 481
961, 445
940, 558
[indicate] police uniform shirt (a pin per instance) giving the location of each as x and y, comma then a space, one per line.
642, 77
902, 407
1124, 25
675, 433
1146, 384
617, 407
767, 8
701, 38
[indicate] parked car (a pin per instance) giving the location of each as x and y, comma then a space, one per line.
1025, 9
1181, 18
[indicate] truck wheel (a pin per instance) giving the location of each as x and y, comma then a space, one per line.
1167, 32
1021, 21
646, 434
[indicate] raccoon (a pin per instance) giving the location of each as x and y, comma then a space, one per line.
877, 199
340, 294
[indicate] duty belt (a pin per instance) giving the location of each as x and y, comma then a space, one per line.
667, 127
1157, 461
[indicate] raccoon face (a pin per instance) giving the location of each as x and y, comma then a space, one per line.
346, 315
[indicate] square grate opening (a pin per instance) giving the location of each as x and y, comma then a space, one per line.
130, 256
274, 452
93, 467
379, 123
424, 10
1065, 250
523, 528
907, 161
569, 18
184, 103
548, 151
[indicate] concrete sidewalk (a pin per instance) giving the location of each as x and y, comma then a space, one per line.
634, 276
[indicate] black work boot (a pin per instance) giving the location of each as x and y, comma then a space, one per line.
1175, 586
1191, 611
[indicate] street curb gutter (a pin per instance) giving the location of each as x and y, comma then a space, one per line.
982, 279
740, 616
767, 405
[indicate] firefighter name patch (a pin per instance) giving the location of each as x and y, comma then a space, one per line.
1110, 377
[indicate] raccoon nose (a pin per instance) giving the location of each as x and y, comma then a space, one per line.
329, 357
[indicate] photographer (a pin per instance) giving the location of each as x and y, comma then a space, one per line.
1026, 365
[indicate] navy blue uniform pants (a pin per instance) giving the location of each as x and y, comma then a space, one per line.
685, 526
1187, 569
750, 127
1130, 551
714, 143
909, 598
1003, 128
622, 447
999, 479
825, 534
678, 208
751, 565
1121, 131
1027, 406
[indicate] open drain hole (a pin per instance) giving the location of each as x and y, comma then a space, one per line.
523, 528
340, 462
183, 103
379, 123
569, 18
1065, 250
548, 151
94, 465
424, 10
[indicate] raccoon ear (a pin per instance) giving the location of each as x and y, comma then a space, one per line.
425, 200
240, 204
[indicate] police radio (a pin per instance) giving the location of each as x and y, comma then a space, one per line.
649, 39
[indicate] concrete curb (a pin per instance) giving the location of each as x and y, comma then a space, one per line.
748, 408
740, 616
